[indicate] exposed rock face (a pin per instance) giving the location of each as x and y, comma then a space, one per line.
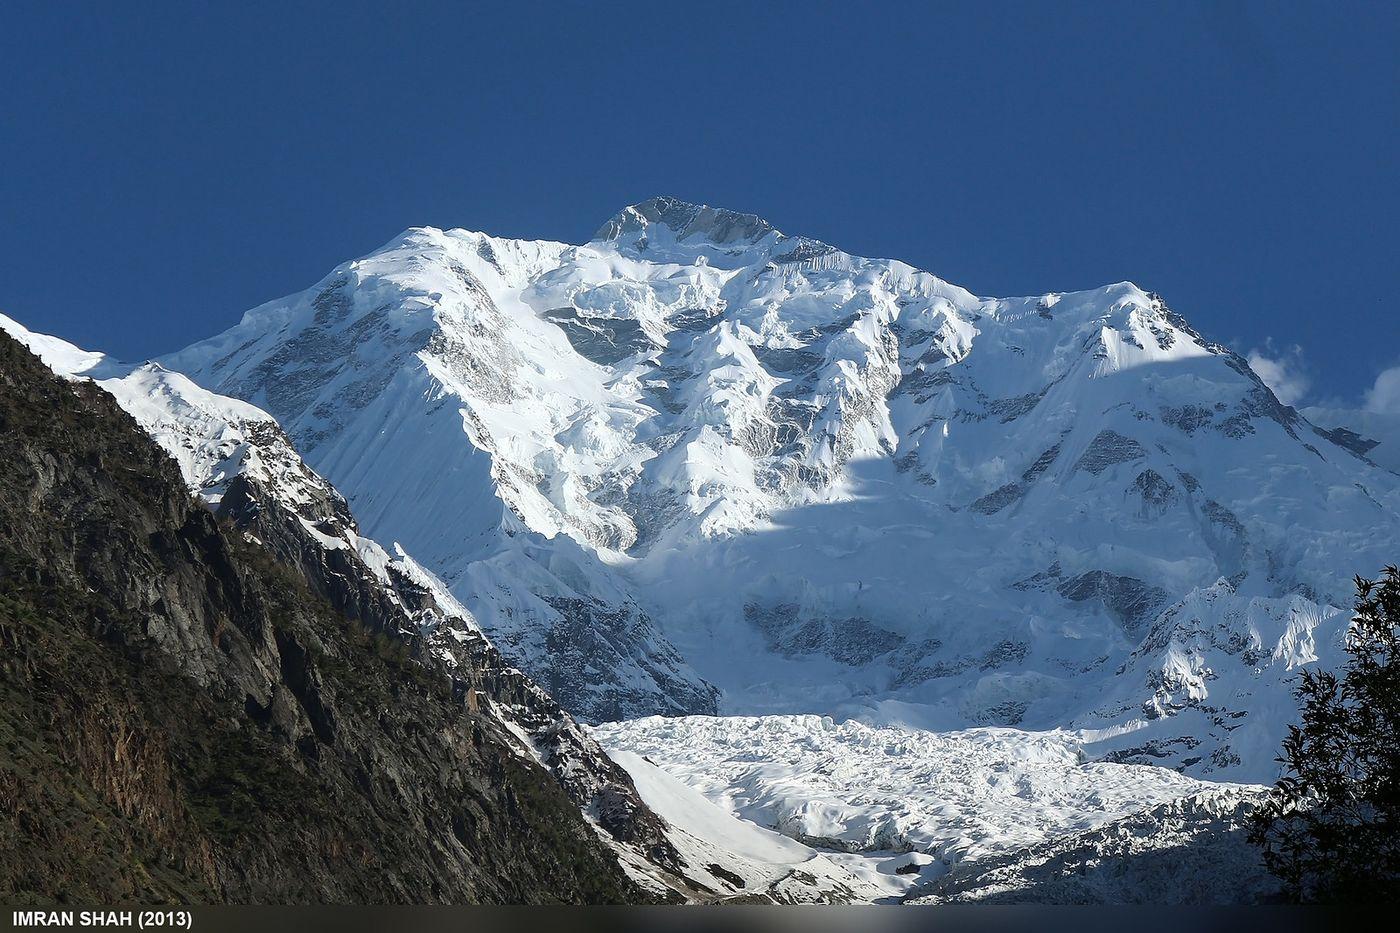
1372, 435
1127, 599
1108, 448
414, 613
185, 719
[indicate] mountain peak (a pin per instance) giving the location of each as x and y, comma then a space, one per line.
686, 222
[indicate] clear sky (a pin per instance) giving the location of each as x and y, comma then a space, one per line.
164, 167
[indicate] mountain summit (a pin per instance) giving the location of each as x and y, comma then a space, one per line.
687, 221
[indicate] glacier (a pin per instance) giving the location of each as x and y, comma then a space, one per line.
850, 787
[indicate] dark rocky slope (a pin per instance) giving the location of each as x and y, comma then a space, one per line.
182, 718
307, 532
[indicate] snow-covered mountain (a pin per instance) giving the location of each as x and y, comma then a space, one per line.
696, 451
699, 466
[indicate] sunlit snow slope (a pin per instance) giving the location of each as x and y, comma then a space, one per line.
696, 464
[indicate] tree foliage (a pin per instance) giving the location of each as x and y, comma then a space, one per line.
1331, 827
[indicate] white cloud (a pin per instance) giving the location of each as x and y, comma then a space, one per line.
1283, 372
1384, 396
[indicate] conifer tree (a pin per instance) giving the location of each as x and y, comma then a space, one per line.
1330, 829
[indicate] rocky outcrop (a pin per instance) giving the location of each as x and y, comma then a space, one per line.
408, 612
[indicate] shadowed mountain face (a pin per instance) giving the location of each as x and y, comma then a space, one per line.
698, 464
183, 719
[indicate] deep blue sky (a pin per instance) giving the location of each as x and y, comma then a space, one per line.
163, 167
